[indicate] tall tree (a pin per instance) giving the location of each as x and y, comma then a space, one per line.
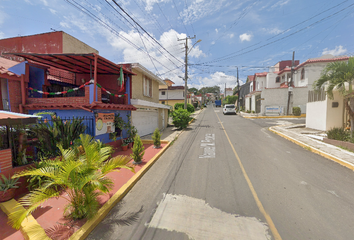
194, 90
339, 76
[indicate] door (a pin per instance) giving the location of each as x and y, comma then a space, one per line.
145, 120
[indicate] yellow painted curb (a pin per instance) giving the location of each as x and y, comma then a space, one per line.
315, 150
288, 116
85, 230
149, 141
30, 228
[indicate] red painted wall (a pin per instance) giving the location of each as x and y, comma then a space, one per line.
5, 160
62, 100
15, 95
49, 43
287, 63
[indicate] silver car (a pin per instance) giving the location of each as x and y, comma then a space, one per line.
229, 109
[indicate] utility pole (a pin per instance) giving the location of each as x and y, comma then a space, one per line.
238, 90
290, 83
225, 92
186, 69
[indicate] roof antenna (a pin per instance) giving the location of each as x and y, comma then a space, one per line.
53, 29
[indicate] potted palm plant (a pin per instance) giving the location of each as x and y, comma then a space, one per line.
7, 188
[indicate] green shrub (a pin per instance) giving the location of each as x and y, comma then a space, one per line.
253, 112
190, 107
338, 134
156, 137
181, 118
138, 150
296, 111
80, 173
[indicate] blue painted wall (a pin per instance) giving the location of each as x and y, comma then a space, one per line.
90, 125
36, 80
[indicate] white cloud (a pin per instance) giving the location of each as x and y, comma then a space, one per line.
213, 42
216, 30
44, 2
280, 3
338, 50
196, 10
3, 16
2, 35
52, 11
245, 37
218, 79
231, 35
28, 1
274, 30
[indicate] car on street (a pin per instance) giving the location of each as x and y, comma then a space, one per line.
229, 109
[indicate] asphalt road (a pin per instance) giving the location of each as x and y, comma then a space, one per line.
227, 177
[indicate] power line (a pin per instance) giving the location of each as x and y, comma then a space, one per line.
144, 30
232, 55
108, 27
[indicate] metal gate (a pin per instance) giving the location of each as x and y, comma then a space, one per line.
258, 103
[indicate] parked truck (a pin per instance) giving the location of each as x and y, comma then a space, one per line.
217, 103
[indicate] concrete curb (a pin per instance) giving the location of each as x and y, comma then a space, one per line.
30, 228
315, 150
87, 228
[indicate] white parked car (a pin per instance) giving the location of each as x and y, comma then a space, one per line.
229, 109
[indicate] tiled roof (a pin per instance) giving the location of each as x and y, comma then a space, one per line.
175, 87
314, 60
251, 77
6, 64
263, 74
322, 60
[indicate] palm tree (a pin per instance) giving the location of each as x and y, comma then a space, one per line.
80, 172
340, 76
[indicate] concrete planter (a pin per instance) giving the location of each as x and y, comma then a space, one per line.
337, 143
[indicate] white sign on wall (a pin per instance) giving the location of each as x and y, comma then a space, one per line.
104, 123
272, 110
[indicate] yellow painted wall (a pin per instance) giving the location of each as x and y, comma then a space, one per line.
173, 102
73, 45
138, 88
163, 121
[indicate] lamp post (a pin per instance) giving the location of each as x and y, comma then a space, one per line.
186, 66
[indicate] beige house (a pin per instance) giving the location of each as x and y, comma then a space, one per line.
150, 114
170, 95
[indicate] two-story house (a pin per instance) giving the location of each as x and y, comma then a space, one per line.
150, 114
92, 89
171, 95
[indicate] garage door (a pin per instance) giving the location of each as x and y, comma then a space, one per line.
146, 121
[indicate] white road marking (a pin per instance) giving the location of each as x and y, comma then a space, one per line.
288, 152
216, 110
265, 132
208, 145
303, 183
199, 221
333, 192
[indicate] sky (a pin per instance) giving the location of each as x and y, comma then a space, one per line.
246, 35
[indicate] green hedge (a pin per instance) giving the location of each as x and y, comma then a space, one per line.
190, 107
296, 111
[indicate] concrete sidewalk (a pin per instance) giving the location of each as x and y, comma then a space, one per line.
171, 133
311, 139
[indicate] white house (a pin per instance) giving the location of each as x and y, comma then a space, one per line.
169, 94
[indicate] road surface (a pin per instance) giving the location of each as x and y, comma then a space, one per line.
227, 177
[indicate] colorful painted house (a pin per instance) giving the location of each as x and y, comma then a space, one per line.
88, 86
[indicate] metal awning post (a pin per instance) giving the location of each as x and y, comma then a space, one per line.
95, 79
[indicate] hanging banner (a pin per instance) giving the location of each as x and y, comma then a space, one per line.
104, 123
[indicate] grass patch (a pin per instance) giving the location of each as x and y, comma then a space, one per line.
345, 148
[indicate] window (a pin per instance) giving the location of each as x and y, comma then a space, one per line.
163, 93
163, 102
303, 74
283, 78
147, 87
277, 80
